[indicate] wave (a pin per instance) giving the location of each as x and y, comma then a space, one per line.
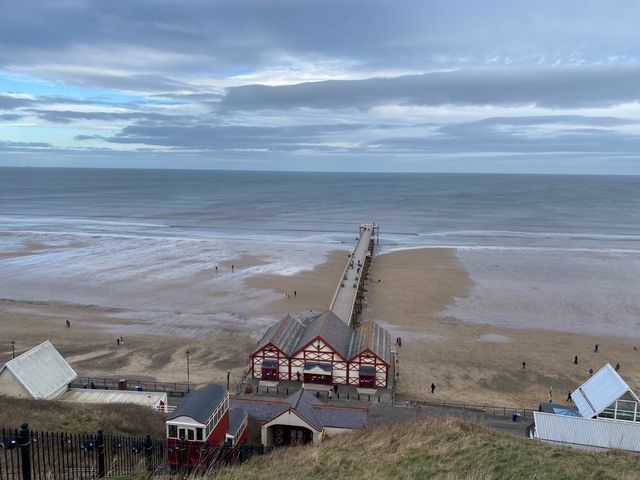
398, 248
537, 235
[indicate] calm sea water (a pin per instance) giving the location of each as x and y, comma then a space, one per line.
413, 209
558, 252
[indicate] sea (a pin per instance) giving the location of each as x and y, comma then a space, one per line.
559, 252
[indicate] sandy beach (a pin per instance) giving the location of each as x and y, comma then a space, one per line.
474, 362
468, 361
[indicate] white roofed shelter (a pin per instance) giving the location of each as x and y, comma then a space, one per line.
609, 416
607, 395
40, 373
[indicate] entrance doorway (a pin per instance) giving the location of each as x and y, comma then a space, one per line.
367, 376
285, 435
318, 373
269, 370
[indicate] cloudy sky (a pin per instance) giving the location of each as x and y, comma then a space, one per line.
456, 86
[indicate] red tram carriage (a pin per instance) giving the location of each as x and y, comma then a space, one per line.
197, 427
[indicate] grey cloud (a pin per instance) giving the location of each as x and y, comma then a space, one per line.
6, 146
67, 116
559, 87
10, 116
484, 137
214, 137
8, 102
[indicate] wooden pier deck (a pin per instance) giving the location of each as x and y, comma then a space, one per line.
347, 299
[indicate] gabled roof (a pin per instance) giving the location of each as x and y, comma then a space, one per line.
41, 371
600, 391
200, 404
261, 410
284, 335
304, 404
332, 329
370, 335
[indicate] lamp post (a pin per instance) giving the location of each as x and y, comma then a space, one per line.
188, 377
228, 372
13, 349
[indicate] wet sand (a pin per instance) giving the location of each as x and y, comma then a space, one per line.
313, 289
477, 363
470, 362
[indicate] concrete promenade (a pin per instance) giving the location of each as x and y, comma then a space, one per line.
345, 299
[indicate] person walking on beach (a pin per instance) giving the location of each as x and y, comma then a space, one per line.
595, 349
591, 371
433, 388
295, 293
550, 394
575, 360
216, 268
232, 268
569, 399
524, 365
67, 324
617, 367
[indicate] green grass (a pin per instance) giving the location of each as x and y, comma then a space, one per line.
434, 449
80, 418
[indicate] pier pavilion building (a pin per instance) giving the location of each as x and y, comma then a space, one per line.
324, 350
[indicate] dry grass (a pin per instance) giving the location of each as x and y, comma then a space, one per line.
435, 449
79, 418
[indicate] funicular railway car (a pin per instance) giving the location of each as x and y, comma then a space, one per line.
198, 427
238, 427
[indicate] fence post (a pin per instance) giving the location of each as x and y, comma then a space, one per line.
25, 447
100, 450
148, 453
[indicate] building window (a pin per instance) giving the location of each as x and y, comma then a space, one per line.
172, 431
190, 434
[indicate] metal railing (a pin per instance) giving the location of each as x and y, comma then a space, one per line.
498, 411
172, 388
28, 455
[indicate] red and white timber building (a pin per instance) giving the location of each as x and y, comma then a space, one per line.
324, 350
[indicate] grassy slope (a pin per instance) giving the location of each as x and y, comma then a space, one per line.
78, 418
438, 449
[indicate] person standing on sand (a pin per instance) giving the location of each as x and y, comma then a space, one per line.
295, 293
595, 349
550, 394
617, 367
216, 268
591, 371
524, 365
68, 324
433, 388
232, 268
575, 360
569, 399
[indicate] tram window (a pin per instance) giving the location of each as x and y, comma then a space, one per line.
172, 431
182, 433
198, 434
190, 434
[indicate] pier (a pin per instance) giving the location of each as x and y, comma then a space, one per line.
348, 297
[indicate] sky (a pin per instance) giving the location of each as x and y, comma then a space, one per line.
410, 86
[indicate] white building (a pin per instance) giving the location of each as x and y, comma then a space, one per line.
40, 373
609, 416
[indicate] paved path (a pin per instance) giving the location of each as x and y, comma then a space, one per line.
345, 296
